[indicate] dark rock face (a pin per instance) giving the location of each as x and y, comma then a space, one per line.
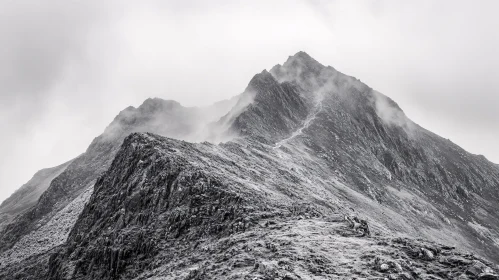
310, 149
164, 210
163, 117
358, 128
145, 198
277, 109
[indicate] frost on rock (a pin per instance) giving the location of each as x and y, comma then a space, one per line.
319, 177
48, 236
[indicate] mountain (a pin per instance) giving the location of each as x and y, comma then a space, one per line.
27, 196
317, 176
56, 210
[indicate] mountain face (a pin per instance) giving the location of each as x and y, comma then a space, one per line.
67, 192
27, 196
318, 177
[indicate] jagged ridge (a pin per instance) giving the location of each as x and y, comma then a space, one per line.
312, 143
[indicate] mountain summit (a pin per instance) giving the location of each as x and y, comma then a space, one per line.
307, 174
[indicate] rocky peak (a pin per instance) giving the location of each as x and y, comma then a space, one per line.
149, 108
264, 86
263, 79
317, 147
303, 60
299, 68
152, 105
273, 111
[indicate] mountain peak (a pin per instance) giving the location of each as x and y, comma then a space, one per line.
302, 55
153, 104
305, 153
298, 67
261, 79
303, 59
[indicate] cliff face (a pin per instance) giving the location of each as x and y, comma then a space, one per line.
151, 195
76, 179
308, 147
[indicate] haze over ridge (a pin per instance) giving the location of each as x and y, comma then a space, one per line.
65, 78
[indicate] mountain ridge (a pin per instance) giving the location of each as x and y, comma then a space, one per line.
302, 142
26, 196
84, 170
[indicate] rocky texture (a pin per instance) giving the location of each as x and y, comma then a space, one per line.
181, 211
27, 196
149, 195
367, 138
314, 249
277, 109
309, 146
68, 182
42, 240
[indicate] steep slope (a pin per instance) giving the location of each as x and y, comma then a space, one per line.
76, 179
367, 138
317, 145
174, 210
27, 196
318, 154
276, 109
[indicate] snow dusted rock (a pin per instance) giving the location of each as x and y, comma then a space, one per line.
26, 196
30, 254
398, 267
303, 147
384, 267
64, 184
427, 254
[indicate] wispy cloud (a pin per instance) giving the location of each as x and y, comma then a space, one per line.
68, 67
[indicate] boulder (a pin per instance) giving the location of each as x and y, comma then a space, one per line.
384, 267
478, 268
427, 254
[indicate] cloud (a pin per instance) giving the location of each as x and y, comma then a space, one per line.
68, 67
38, 40
44, 46
435, 59
391, 114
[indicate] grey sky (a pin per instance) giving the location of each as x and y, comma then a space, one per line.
68, 67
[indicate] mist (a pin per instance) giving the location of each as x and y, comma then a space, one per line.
68, 68
390, 113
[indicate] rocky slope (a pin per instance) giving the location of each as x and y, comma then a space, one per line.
177, 210
27, 196
68, 186
309, 147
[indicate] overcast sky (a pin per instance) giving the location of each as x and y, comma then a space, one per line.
68, 67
